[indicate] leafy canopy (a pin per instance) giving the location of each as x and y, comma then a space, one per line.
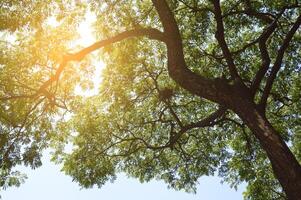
129, 126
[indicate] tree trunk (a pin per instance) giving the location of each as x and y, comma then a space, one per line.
285, 166
236, 97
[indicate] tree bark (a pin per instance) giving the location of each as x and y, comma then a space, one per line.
235, 96
285, 166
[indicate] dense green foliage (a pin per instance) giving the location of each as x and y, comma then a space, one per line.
126, 127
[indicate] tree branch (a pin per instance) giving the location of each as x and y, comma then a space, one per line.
178, 70
277, 65
265, 57
220, 36
148, 32
208, 121
264, 52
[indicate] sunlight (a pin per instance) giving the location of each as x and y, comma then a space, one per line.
51, 21
85, 30
86, 38
96, 79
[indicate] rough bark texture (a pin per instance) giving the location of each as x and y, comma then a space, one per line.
236, 97
285, 166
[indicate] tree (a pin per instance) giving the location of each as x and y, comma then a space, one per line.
191, 88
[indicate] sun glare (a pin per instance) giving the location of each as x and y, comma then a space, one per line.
85, 30
86, 38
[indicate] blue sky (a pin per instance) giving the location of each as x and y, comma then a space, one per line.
48, 183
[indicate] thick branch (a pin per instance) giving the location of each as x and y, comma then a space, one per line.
196, 84
278, 62
148, 32
265, 57
208, 121
220, 36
